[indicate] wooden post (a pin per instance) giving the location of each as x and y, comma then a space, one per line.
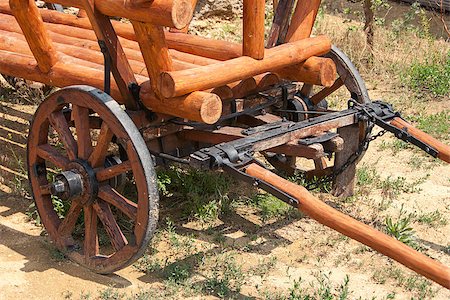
154, 50
344, 184
253, 27
178, 83
302, 21
29, 19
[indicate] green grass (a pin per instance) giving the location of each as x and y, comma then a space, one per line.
437, 125
431, 76
203, 195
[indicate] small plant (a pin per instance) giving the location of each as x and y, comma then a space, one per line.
438, 125
324, 290
110, 293
178, 273
271, 207
401, 229
434, 219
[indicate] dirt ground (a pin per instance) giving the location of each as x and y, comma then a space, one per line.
273, 255
30, 268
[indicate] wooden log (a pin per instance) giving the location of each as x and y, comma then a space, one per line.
264, 81
29, 19
154, 50
170, 13
178, 83
302, 21
354, 229
62, 75
186, 28
442, 149
224, 92
244, 87
253, 28
198, 106
315, 70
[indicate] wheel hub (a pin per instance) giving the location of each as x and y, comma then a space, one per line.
78, 183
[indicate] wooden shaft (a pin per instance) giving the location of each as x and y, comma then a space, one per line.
198, 106
171, 13
154, 50
302, 21
178, 83
264, 81
354, 229
29, 19
315, 70
443, 150
253, 27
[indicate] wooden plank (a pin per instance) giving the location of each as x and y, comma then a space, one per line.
302, 21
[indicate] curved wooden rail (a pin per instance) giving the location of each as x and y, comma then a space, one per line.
354, 229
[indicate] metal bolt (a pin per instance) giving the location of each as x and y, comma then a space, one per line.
58, 187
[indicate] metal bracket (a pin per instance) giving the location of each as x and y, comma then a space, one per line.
318, 139
107, 63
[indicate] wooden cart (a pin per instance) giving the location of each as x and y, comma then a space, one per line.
177, 97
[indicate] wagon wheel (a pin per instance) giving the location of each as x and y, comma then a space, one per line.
348, 78
82, 147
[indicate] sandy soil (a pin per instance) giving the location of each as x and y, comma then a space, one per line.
30, 268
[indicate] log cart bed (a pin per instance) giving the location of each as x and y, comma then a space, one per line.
177, 97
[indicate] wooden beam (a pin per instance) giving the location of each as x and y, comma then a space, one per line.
282, 14
178, 83
302, 21
198, 106
253, 28
29, 19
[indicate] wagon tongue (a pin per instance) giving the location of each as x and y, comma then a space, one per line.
236, 158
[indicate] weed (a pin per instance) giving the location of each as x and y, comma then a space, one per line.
432, 76
395, 146
264, 266
433, 219
271, 207
223, 275
437, 125
401, 229
205, 193
110, 293
392, 187
178, 273
148, 264
324, 290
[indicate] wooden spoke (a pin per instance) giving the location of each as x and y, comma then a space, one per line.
68, 224
327, 91
90, 232
103, 210
50, 154
97, 158
113, 171
59, 123
45, 189
80, 116
111, 196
